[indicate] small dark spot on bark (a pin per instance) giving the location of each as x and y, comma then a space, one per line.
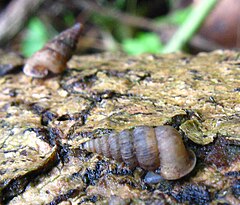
121, 170
196, 74
36, 108
23, 152
107, 94
64, 153
186, 60
2, 173
233, 174
194, 71
236, 90
72, 83
166, 186
92, 175
63, 197
13, 93
236, 189
92, 199
114, 73
8, 115
15, 103
8, 68
47, 117
177, 120
197, 78
193, 194
64, 117
38, 131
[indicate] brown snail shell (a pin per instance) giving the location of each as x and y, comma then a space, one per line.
149, 148
54, 55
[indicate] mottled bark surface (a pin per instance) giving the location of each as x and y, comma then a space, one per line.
43, 122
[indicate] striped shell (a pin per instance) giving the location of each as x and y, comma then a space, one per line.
54, 55
148, 148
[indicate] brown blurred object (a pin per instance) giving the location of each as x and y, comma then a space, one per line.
223, 24
14, 17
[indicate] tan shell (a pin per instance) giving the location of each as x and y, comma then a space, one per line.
149, 148
54, 55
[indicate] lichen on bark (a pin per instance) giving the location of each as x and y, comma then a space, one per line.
44, 121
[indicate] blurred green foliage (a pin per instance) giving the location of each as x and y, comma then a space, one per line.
190, 26
175, 18
69, 18
131, 40
37, 34
35, 37
143, 43
149, 42
120, 3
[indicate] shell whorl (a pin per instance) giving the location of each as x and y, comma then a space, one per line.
54, 55
149, 148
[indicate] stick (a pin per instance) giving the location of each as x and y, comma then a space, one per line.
189, 28
14, 17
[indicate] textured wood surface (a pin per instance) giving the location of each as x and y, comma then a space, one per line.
44, 121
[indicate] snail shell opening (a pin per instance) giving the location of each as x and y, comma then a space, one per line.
176, 160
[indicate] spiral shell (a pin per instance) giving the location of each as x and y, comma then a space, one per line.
148, 148
54, 55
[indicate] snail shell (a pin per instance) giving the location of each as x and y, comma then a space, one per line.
54, 55
148, 148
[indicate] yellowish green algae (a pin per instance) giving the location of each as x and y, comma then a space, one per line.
44, 121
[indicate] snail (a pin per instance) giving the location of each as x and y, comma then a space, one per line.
54, 55
148, 148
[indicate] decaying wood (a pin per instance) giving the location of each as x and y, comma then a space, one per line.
44, 122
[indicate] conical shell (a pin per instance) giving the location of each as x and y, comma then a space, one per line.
149, 148
54, 55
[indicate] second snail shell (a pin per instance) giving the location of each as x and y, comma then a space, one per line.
148, 148
54, 55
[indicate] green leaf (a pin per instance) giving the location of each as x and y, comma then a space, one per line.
177, 17
143, 43
120, 4
69, 18
36, 36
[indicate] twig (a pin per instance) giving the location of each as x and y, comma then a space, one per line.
13, 18
189, 28
119, 16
